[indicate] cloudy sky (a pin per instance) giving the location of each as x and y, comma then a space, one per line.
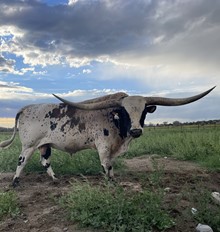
82, 49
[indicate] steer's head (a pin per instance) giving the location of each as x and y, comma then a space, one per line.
132, 110
135, 108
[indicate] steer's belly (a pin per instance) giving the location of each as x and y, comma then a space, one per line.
68, 144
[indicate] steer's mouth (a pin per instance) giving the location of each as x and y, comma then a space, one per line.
135, 133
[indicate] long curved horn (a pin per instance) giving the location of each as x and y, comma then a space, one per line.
113, 100
175, 101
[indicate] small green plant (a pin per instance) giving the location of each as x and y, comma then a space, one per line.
113, 209
156, 176
8, 204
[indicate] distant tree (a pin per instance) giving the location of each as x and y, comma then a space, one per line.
150, 124
176, 123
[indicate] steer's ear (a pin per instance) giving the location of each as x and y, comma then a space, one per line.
151, 109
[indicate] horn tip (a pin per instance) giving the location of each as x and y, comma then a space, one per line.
212, 89
56, 96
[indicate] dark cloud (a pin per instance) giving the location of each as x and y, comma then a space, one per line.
7, 86
86, 28
102, 27
174, 32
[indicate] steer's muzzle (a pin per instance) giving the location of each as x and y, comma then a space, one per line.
135, 133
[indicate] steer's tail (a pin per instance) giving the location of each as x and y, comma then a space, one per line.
7, 143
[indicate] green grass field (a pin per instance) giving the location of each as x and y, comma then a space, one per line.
184, 143
85, 202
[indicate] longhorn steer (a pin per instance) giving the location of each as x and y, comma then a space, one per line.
107, 124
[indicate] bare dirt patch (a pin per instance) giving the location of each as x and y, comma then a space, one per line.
146, 163
38, 195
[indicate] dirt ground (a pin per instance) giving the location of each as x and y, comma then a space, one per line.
40, 212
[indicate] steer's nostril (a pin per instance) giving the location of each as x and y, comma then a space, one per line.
136, 133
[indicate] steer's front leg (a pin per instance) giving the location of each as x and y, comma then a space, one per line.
106, 162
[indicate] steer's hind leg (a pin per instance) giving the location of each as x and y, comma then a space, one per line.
23, 158
45, 152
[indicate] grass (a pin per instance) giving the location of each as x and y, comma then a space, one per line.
9, 156
85, 162
208, 212
8, 204
114, 209
197, 145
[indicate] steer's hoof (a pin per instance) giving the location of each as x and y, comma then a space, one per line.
16, 182
111, 179
55, 180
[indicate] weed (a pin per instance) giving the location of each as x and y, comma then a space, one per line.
8, 204
156, 176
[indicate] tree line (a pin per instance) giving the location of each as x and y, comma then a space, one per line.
178, 123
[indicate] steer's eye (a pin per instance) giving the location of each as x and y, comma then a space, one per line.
115, 115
